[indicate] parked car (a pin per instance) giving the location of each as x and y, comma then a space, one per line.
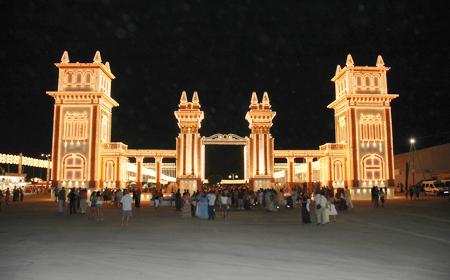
435, 187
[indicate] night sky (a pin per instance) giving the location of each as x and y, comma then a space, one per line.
224, 50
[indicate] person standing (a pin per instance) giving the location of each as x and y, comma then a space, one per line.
72, 196
21, 194
193, 204
127, 210
224, 204
1, 198
178, 200
119, 195
211, 203
137, 198
305, 204
99, 206
61, 199
348, 198
92, 205
320, 204
202, 206
83, 199
406, 192
186, 209
333, 211
375, 196
382, 194
7, 196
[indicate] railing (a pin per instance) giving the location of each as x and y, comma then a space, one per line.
332, 146
114, 146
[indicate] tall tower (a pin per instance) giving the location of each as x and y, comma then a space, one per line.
261, 142
81, 121
363, 123
189, 146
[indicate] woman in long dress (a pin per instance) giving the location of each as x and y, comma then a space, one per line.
306, 218
202, 206
186, 210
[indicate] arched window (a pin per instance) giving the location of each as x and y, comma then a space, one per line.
375, 81
358, 81
337, 170
367, 81
75, 126
74, 166
87, 78
79, 78
69, 77
373, 168
109, 171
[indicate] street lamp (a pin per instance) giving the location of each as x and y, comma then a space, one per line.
47, 156
412, 150
233, 176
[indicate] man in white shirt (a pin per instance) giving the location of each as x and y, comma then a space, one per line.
211, 202
126, 207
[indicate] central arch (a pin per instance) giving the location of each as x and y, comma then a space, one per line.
225, 140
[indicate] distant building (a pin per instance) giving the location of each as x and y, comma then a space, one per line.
433, 162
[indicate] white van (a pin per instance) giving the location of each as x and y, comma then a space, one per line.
434, 187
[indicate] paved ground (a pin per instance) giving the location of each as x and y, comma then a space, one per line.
406, 240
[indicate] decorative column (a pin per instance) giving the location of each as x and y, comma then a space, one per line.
189, 147
309, 174
290, 173
261, 143
158, 162
139, 175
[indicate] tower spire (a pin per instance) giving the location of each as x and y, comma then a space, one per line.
183, 98
254, 100
108, 66
380, 61
65, 57
195, 99
97, 57
266, 100
349, 61
338, 69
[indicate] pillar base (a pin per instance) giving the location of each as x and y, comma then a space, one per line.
189, 184
261, 183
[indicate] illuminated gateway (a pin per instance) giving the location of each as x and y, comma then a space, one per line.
83, 154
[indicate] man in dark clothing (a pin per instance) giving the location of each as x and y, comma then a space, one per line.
72, 202
375, 195
178, 200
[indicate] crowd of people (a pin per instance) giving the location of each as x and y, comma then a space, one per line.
17, 195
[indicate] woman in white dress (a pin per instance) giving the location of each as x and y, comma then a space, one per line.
326, 211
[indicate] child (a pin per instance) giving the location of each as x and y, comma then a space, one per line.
333, 211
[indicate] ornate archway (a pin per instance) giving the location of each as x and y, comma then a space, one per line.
225, 139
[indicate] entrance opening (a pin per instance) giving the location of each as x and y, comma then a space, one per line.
226, 161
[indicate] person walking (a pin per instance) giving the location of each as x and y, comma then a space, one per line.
305, 204
211, 203
61, 199
127, 210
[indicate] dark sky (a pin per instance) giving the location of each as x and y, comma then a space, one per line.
224, 50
